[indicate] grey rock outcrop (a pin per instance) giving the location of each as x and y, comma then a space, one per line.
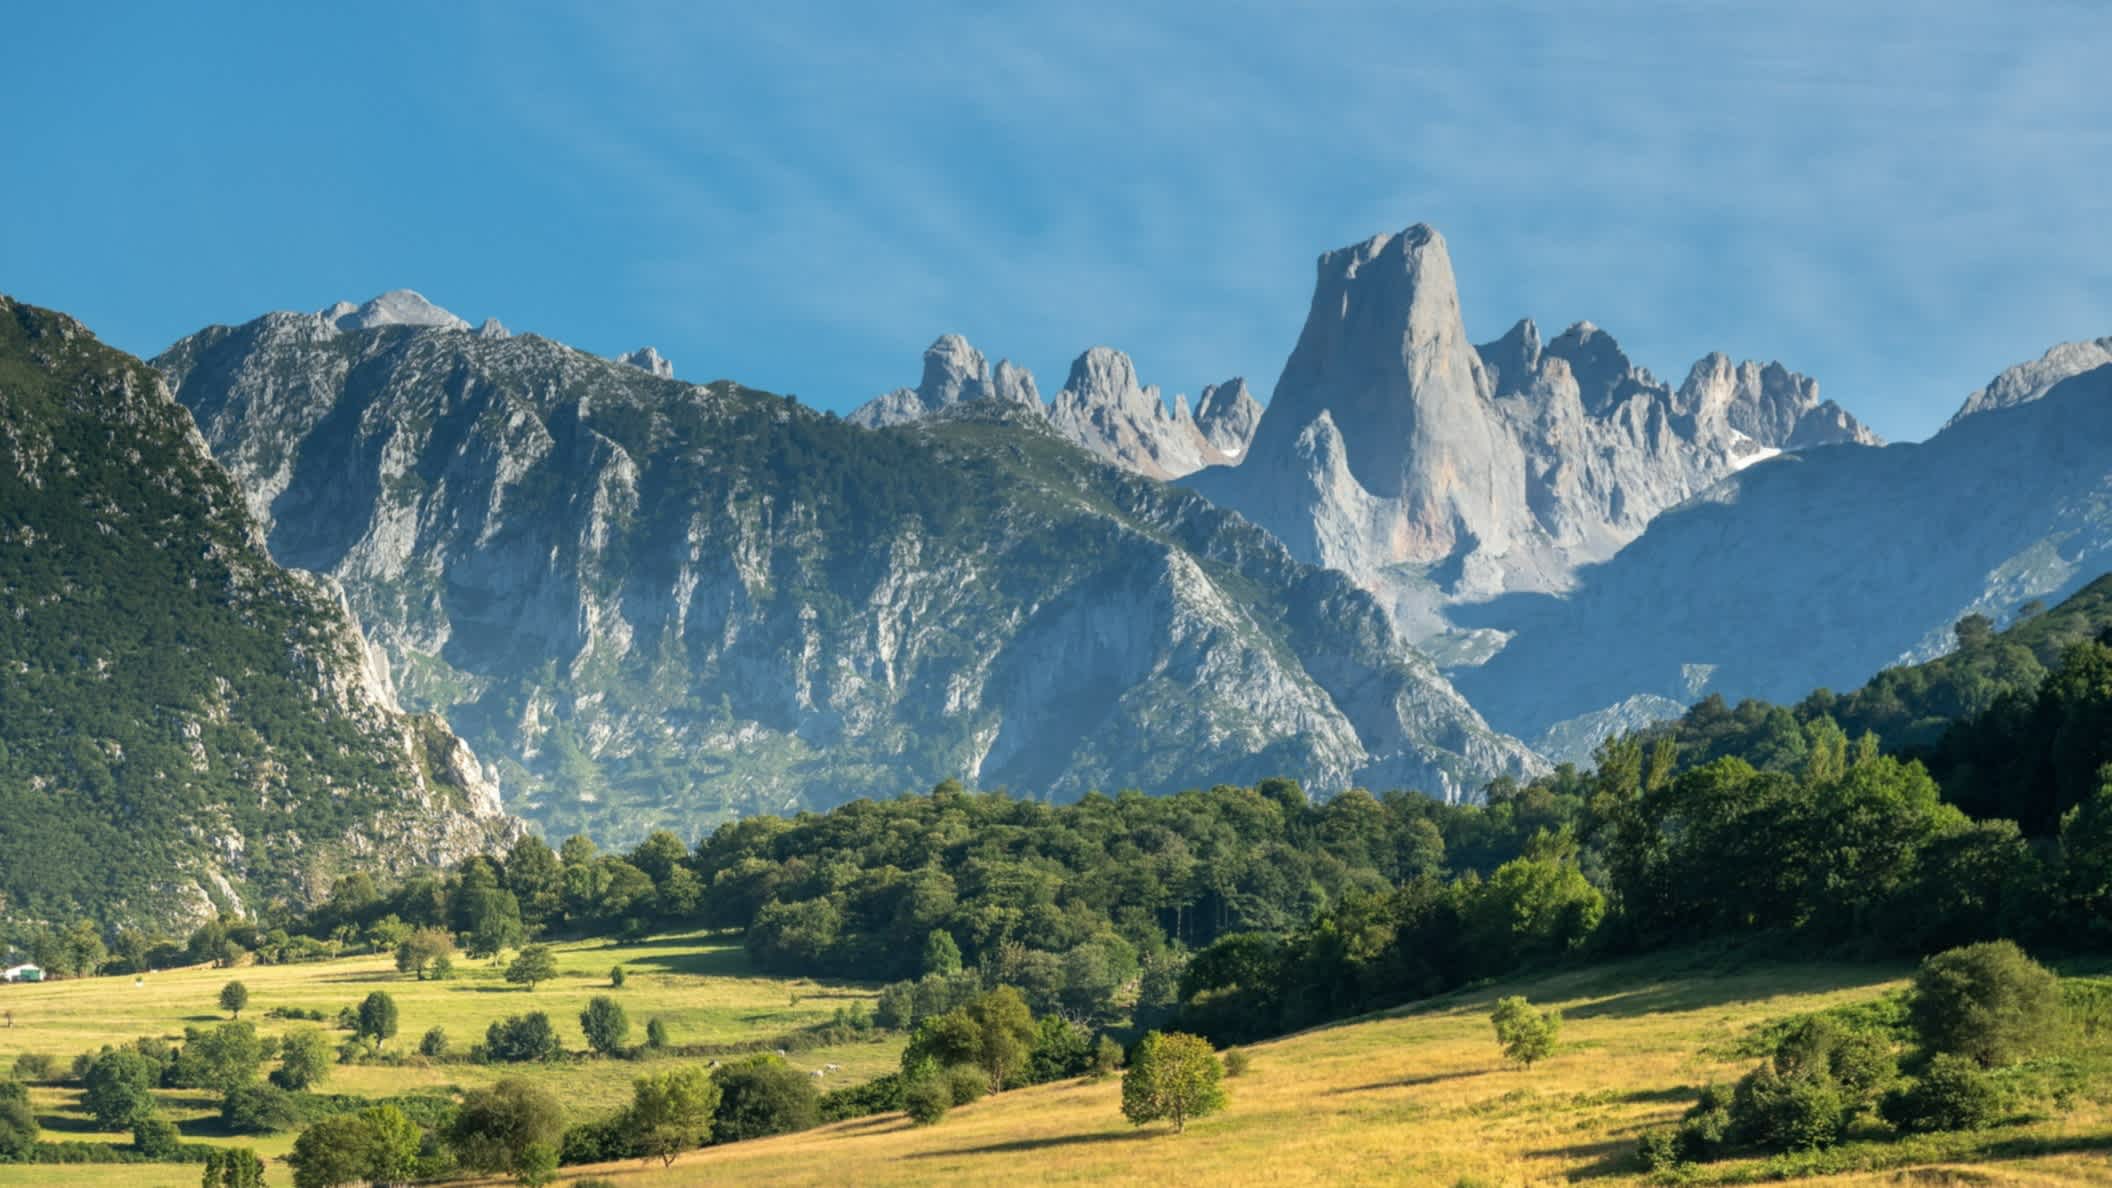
648, 360
618, 591
397, 307
1818, 569
1434, 472
2027, 382
954, 373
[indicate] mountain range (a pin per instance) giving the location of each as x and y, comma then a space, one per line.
652, 603
648, 603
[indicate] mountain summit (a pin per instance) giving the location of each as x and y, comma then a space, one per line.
1434, 471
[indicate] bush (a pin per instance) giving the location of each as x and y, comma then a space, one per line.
655, 1034
1175, 1077
966, 1083
304, 1059
616, 977
18, 1124
763, 1095
607, 1027
1788, 1113
495, 1127
926, 1096
156, 1138
1236, 1063
433, 1044
1658, 1150
1954, 1093
1988, 1001
521, 1039
33, 1066
1527, 1035
1107, 1057
120, 1085
259, 1109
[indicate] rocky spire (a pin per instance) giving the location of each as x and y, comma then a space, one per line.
953, 372
647, 359
1226, 415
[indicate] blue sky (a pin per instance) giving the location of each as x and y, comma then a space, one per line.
1899, 199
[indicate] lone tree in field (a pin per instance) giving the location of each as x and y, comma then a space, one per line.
377, 1018
233, 997
1987, 1002
1527, 1035
534, 964
606, 1026
422, 951
672, 1112
1172, 1076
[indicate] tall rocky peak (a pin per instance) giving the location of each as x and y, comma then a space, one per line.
1104, 408
1466, 472
1226, 415
648, 360
397, 307
2027, 382
954, 373
1385, 351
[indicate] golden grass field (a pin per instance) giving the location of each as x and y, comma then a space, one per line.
1418, 1096
1414, 1097
700, 985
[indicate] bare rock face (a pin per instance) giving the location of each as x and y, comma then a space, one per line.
1227, 415
648, 360
1819, 568
397, 307
954, 373
1103, 408
1466, 472
2027, 382
655, 604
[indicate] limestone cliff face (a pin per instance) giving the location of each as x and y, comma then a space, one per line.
1102, 407
248, 739
1435, 472
1821, 567
653, 603
2027, 382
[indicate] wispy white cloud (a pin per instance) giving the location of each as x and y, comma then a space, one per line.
1899, 199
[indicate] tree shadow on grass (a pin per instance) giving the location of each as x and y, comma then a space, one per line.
1411, 1082
1042, 1144
721, 962
1607, 1158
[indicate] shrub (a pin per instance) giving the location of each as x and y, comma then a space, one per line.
156, 1138
521, 1039
1658, 1150
966, 1083
926, 1096
1527, 1035
655, 1034
259, 1109
33, 1066
495, 1127
304, 1059
532, 966
18, 1124
1236, 1063
1987, 1001
606, 1025
433, 1044
616, 977
120, 1086
1953, 1093
1107, 1057
763, 1095
1175, 1077
1788, 1113
236, 1168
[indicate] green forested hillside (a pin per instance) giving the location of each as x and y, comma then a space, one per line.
182, 727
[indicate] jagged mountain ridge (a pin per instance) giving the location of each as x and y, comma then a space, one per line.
655, 603
1823, 567
1433, 471
1101, 407
186, 728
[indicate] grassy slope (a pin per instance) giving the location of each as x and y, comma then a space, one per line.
1415, 1097
700, 985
